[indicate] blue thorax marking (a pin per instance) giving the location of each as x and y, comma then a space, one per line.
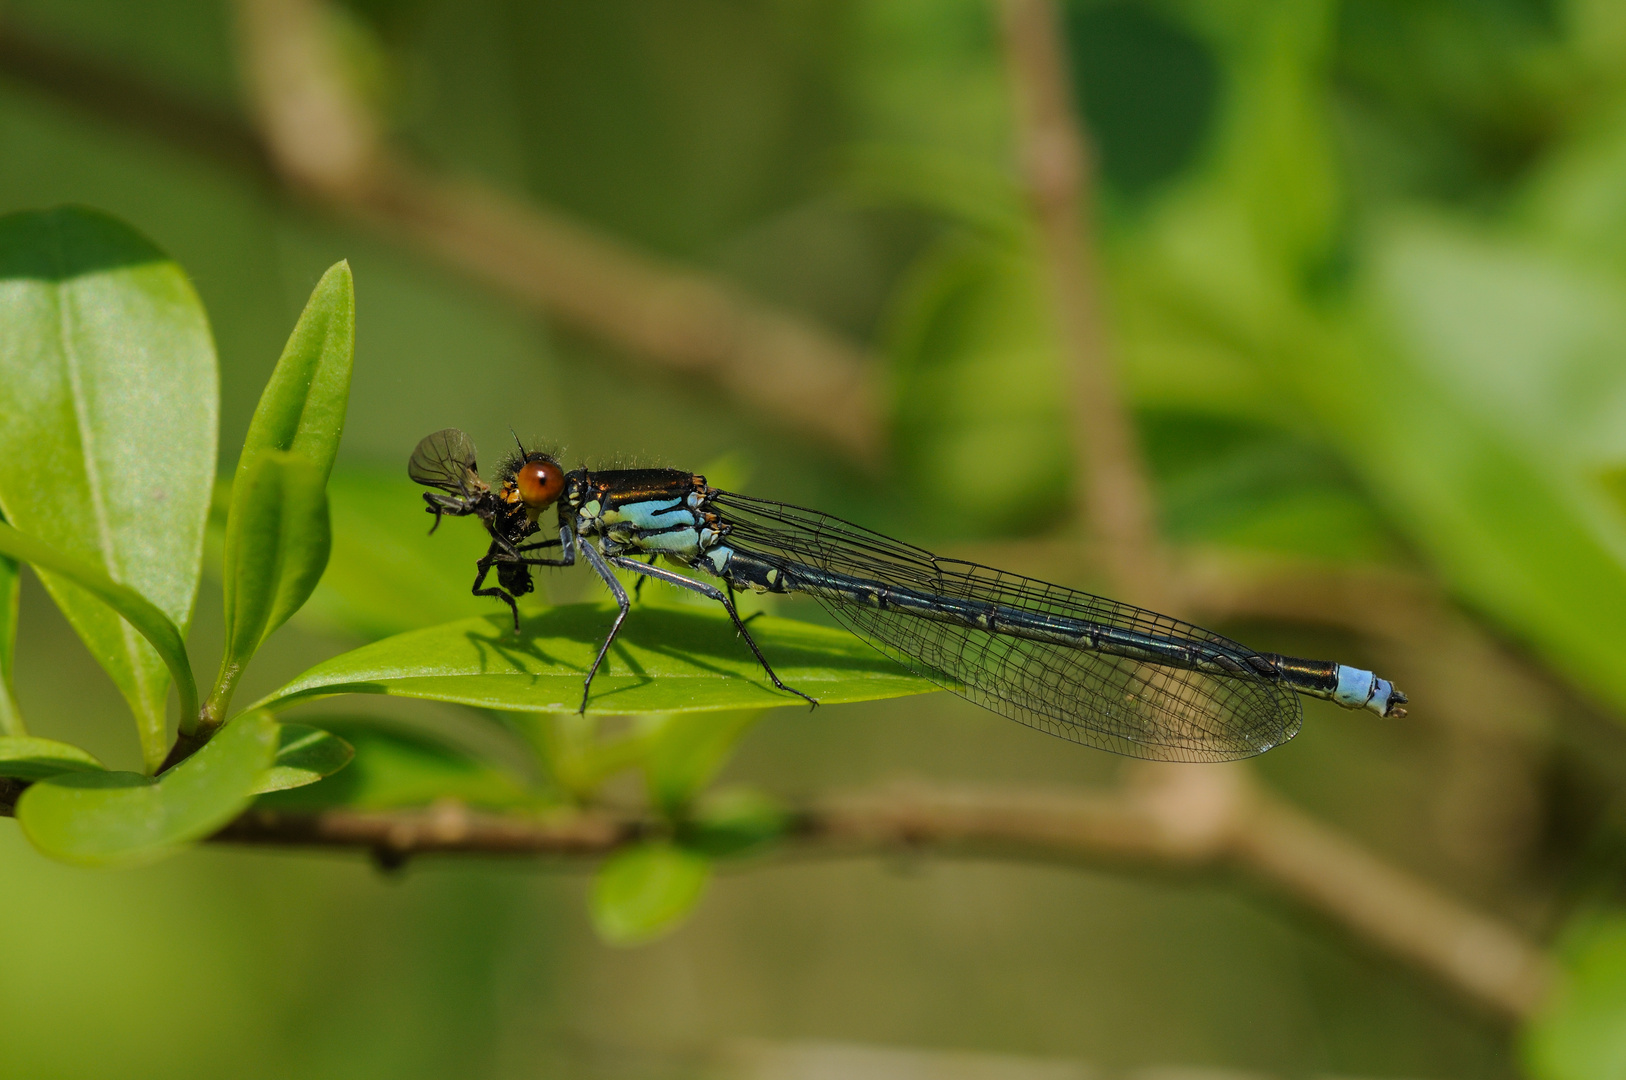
685, 542
650, 514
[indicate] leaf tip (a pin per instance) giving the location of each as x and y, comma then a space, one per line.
338, 277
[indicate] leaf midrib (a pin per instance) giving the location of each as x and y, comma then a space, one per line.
62, 297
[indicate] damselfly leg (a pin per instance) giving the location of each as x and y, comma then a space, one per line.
624, 605
638, 586
503, 553
710, 592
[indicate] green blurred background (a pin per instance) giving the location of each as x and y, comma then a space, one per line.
1365, 275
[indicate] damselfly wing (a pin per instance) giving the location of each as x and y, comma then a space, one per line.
1138, 706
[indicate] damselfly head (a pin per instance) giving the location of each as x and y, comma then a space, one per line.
539, 482
533, 478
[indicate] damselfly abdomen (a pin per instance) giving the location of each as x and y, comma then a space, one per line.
1088, 669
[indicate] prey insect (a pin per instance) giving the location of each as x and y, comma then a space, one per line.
1088, 669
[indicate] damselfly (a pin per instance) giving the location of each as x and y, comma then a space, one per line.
1088, 669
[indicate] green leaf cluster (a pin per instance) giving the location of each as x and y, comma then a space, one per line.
107, 453
109, 403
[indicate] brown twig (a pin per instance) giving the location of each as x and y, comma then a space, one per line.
131, 103
1055, 163
1210, 817
680, 319
320, 148
447, 827
1218, 820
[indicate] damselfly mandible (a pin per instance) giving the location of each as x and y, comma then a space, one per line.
1088, 669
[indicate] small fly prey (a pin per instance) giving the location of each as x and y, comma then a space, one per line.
1088, 669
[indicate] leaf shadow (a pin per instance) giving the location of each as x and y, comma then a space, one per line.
66, 242
690, 635
102, 780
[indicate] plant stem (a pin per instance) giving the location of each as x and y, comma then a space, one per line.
1054, 157
1235, 825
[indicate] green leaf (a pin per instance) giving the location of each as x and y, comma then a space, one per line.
394, 767
1277, 155
281, 549
276, 549
1500, 384
11, 717
1613, 482
1209, 288
108, 386
25, 758
735, 822
302, 408
277, 531
386, 574
643, 892
1248, 486
163, 635
687, 750
304, 756
575, 750
967, 188
665, 660
1580, 1034
1574, 195
981, 401
122, 818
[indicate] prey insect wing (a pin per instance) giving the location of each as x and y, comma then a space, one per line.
446, 460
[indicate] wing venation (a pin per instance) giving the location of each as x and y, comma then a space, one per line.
1115, 703
445, 460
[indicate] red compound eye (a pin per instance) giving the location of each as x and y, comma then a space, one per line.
539, 483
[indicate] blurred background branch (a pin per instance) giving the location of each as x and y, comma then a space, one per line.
1055, 163
315, 139
129, 100
1207, 818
